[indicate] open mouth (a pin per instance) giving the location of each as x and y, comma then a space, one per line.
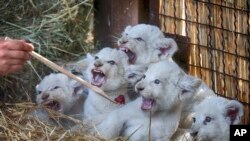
147, 104
163, 51
99, 78
54, 105
131, 55
194, 134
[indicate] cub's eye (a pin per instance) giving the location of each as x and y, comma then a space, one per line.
194, 119
157, 81
111, 62
96, 57
132, 75
139, 39
56, 87
208, 119
144, 76
39, 92
185, 91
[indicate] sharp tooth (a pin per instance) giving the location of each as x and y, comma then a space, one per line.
126, 50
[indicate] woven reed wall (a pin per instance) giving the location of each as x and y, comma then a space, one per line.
220, 42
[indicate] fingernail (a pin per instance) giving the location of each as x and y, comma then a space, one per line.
31, 45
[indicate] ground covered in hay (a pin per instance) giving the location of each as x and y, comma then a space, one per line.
61, 30
16, 124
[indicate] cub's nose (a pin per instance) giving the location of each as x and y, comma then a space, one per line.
193, 134
123, 41
45, 96
98, 64
139, 88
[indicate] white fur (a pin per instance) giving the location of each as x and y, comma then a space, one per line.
134, 73
191, 101
148, 45
153, 48
96, 107
81, 65
162, 83
67, 92
145, 41
213, 117
168, 45
194, 96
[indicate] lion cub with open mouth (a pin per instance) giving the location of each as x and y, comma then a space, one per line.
107, 72
162, 90
145, 44
60, 93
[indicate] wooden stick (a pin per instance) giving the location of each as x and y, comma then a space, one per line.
149, 128
69, 74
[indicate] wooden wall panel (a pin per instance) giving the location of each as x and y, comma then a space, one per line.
112, 16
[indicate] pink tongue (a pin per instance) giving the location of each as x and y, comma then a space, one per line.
99, 79
147, 104
164, 50
131, 57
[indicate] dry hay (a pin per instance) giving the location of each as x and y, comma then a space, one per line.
16, 125
61, 30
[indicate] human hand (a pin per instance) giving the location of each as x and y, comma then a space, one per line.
13, 55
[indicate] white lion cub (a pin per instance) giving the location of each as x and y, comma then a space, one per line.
60, 93
145, 44
162, 90
106, 72
213, 117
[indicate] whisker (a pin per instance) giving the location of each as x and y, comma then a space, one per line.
133, 132
115, 37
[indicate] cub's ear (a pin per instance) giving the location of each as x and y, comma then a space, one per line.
81, 65
189, 86
37, 89
166, 48
134, 73
78, 89
89, 57
233, 112
127, 28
